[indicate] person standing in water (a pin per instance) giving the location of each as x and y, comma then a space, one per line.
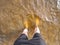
36, 40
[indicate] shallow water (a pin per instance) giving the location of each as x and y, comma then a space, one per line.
13, 13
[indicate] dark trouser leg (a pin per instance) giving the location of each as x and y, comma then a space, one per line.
21, 39
36, 36
37, 40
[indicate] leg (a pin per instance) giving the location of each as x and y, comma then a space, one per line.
36, 33
24, 35
37, 39
36, 36
22, 38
